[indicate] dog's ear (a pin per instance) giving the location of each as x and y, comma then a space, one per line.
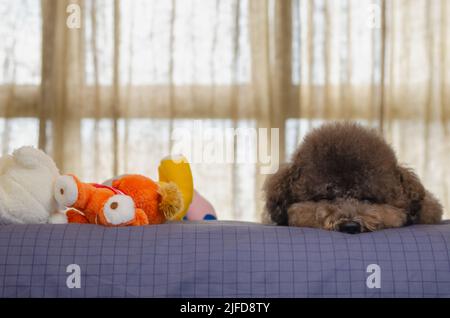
413, 191
431, 212
278, 190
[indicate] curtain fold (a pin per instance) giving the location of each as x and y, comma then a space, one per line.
61, 86
122, 91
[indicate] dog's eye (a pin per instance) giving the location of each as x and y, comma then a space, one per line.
369, 200
318, 198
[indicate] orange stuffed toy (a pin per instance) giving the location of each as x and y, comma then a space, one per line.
132, 200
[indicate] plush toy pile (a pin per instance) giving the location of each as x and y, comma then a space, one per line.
33, 191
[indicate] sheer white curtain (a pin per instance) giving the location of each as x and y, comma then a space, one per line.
106, 98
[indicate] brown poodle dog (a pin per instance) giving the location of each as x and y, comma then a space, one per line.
345, 177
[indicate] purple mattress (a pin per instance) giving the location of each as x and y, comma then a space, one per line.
222, 259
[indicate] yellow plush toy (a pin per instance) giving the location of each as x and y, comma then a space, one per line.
176, 169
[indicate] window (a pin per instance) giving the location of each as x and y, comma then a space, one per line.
346, 31
20, 53
202, 50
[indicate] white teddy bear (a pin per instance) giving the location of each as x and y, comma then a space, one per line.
26, 188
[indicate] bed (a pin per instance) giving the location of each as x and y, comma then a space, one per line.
222, 259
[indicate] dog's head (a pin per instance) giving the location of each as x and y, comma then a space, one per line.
350, 179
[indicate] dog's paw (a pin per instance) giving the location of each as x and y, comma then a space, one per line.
309, 214
327, 215
382, 216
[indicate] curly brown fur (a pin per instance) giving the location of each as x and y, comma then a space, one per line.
343, 172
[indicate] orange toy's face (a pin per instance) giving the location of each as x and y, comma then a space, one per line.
99, 205
118, 210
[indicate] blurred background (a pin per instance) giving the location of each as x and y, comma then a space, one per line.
102, 97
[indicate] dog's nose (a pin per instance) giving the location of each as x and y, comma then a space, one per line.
350, 227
